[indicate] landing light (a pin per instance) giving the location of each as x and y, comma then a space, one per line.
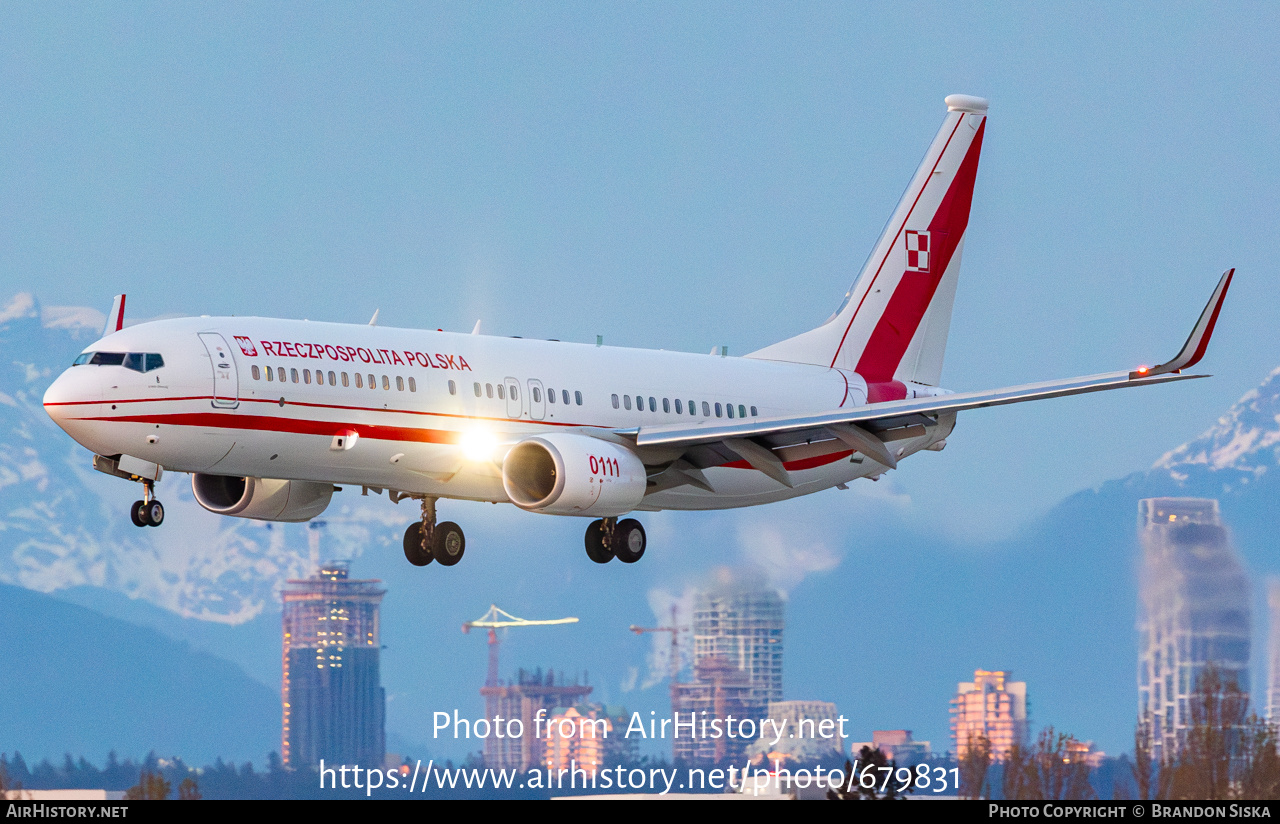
478, 445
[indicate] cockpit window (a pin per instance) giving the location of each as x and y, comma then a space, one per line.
137, 361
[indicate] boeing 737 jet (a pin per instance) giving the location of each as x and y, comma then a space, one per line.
271, 417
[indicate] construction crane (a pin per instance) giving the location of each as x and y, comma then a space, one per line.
496, 619
674, 655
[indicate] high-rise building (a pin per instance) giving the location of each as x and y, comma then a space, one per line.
993, 706
737, 665
334, 703
531, 691
1194, 609
744, 627
590, 737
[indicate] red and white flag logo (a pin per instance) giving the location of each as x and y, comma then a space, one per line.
917, 251
246, 346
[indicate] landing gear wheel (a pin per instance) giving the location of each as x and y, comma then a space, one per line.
596, 548
628, 541
448, 544
147, 513
413, 546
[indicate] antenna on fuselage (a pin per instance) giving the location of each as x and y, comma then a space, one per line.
373, 321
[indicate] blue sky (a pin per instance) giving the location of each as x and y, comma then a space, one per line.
675, 176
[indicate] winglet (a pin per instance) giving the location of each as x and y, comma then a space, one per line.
115, 318
1198, 341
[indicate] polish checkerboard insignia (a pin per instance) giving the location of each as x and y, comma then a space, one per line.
917, 251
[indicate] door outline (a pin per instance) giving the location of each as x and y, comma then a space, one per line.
513, 398
537, 400
226, 380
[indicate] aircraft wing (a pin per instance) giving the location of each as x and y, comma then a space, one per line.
763, 442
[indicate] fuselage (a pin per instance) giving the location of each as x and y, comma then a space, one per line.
266, 398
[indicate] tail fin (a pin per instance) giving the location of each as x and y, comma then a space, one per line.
893, 323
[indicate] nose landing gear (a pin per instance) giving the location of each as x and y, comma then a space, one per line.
148, 511
610, 538
426, 541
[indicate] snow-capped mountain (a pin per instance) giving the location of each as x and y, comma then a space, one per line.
64, 525
1241, 446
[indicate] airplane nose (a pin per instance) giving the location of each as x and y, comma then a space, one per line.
77, 385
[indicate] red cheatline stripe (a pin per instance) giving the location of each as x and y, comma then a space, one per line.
299, 426
906, 307
391, 411
131, 400
802, 463
889, 250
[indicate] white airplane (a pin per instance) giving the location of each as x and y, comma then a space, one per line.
271, 417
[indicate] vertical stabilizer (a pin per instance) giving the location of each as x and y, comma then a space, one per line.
893, 323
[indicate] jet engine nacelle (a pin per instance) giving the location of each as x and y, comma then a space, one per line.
263, 499
565, 474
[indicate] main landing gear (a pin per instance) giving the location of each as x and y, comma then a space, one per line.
426, 541
148, 511
610, 538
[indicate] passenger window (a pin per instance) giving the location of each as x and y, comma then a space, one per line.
706, 409
269, 375
293, 373
488, 389
551, 396
386, 384
577, 396
306, 376
256, 374
477, 388
564, 395
718, 415
453, 387
666, 405
679, 409
319, 377
753, 412
373, 381
626, 401
537, 396
345, 380
615, 400
742, 411
413, 387
515, 393
653, 404
730, 409
280, 374
399, 384
639, 403
502, 392
359, 381
332, 380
